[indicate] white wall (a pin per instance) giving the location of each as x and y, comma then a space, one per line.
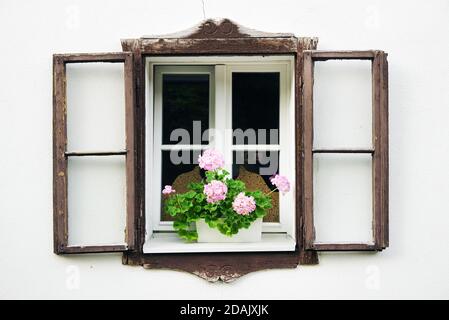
415, 35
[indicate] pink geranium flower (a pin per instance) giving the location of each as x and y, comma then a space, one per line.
211, 160
168, 190
215, 191
281, 183
244, 204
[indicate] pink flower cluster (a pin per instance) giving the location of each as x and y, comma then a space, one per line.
281, 183
215, 191
211, 160
243, 204
168, 190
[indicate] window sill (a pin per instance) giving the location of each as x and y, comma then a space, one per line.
170, 243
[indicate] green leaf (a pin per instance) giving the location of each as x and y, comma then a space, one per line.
191, 206
260, 213
179, 225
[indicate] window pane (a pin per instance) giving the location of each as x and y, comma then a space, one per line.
96, 200
342, 198
179, 168
255, 105
185, 99
342, 115
255, 169
95, 106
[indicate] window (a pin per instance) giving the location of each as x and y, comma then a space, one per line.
173, 96
241, 106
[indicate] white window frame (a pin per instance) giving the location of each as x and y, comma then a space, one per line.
221, 108
157, 133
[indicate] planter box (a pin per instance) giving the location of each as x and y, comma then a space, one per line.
207, 234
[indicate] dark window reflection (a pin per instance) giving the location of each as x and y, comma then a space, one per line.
263, 163
185, 99
179, 168
175, 163
255, 104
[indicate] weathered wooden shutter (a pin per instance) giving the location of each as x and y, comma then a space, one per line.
379, 150
61, 155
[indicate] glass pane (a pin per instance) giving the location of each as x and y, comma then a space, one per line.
185, 100
179, 168
96, 200
255, 106
255, 169
95, 106
342, 198
342, 115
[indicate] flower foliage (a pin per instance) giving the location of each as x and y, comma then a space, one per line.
244, 204
281, 183
224, 203
210, 160
215, 191
168, 190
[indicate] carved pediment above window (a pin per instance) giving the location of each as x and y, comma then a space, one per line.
219, 36
219, 29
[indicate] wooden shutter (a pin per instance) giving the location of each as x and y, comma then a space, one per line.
61, 155
379, 150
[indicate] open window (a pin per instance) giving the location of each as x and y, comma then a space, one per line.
346, 151
241, 106
116, 145
93, 152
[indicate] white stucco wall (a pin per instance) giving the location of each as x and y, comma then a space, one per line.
414, 33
